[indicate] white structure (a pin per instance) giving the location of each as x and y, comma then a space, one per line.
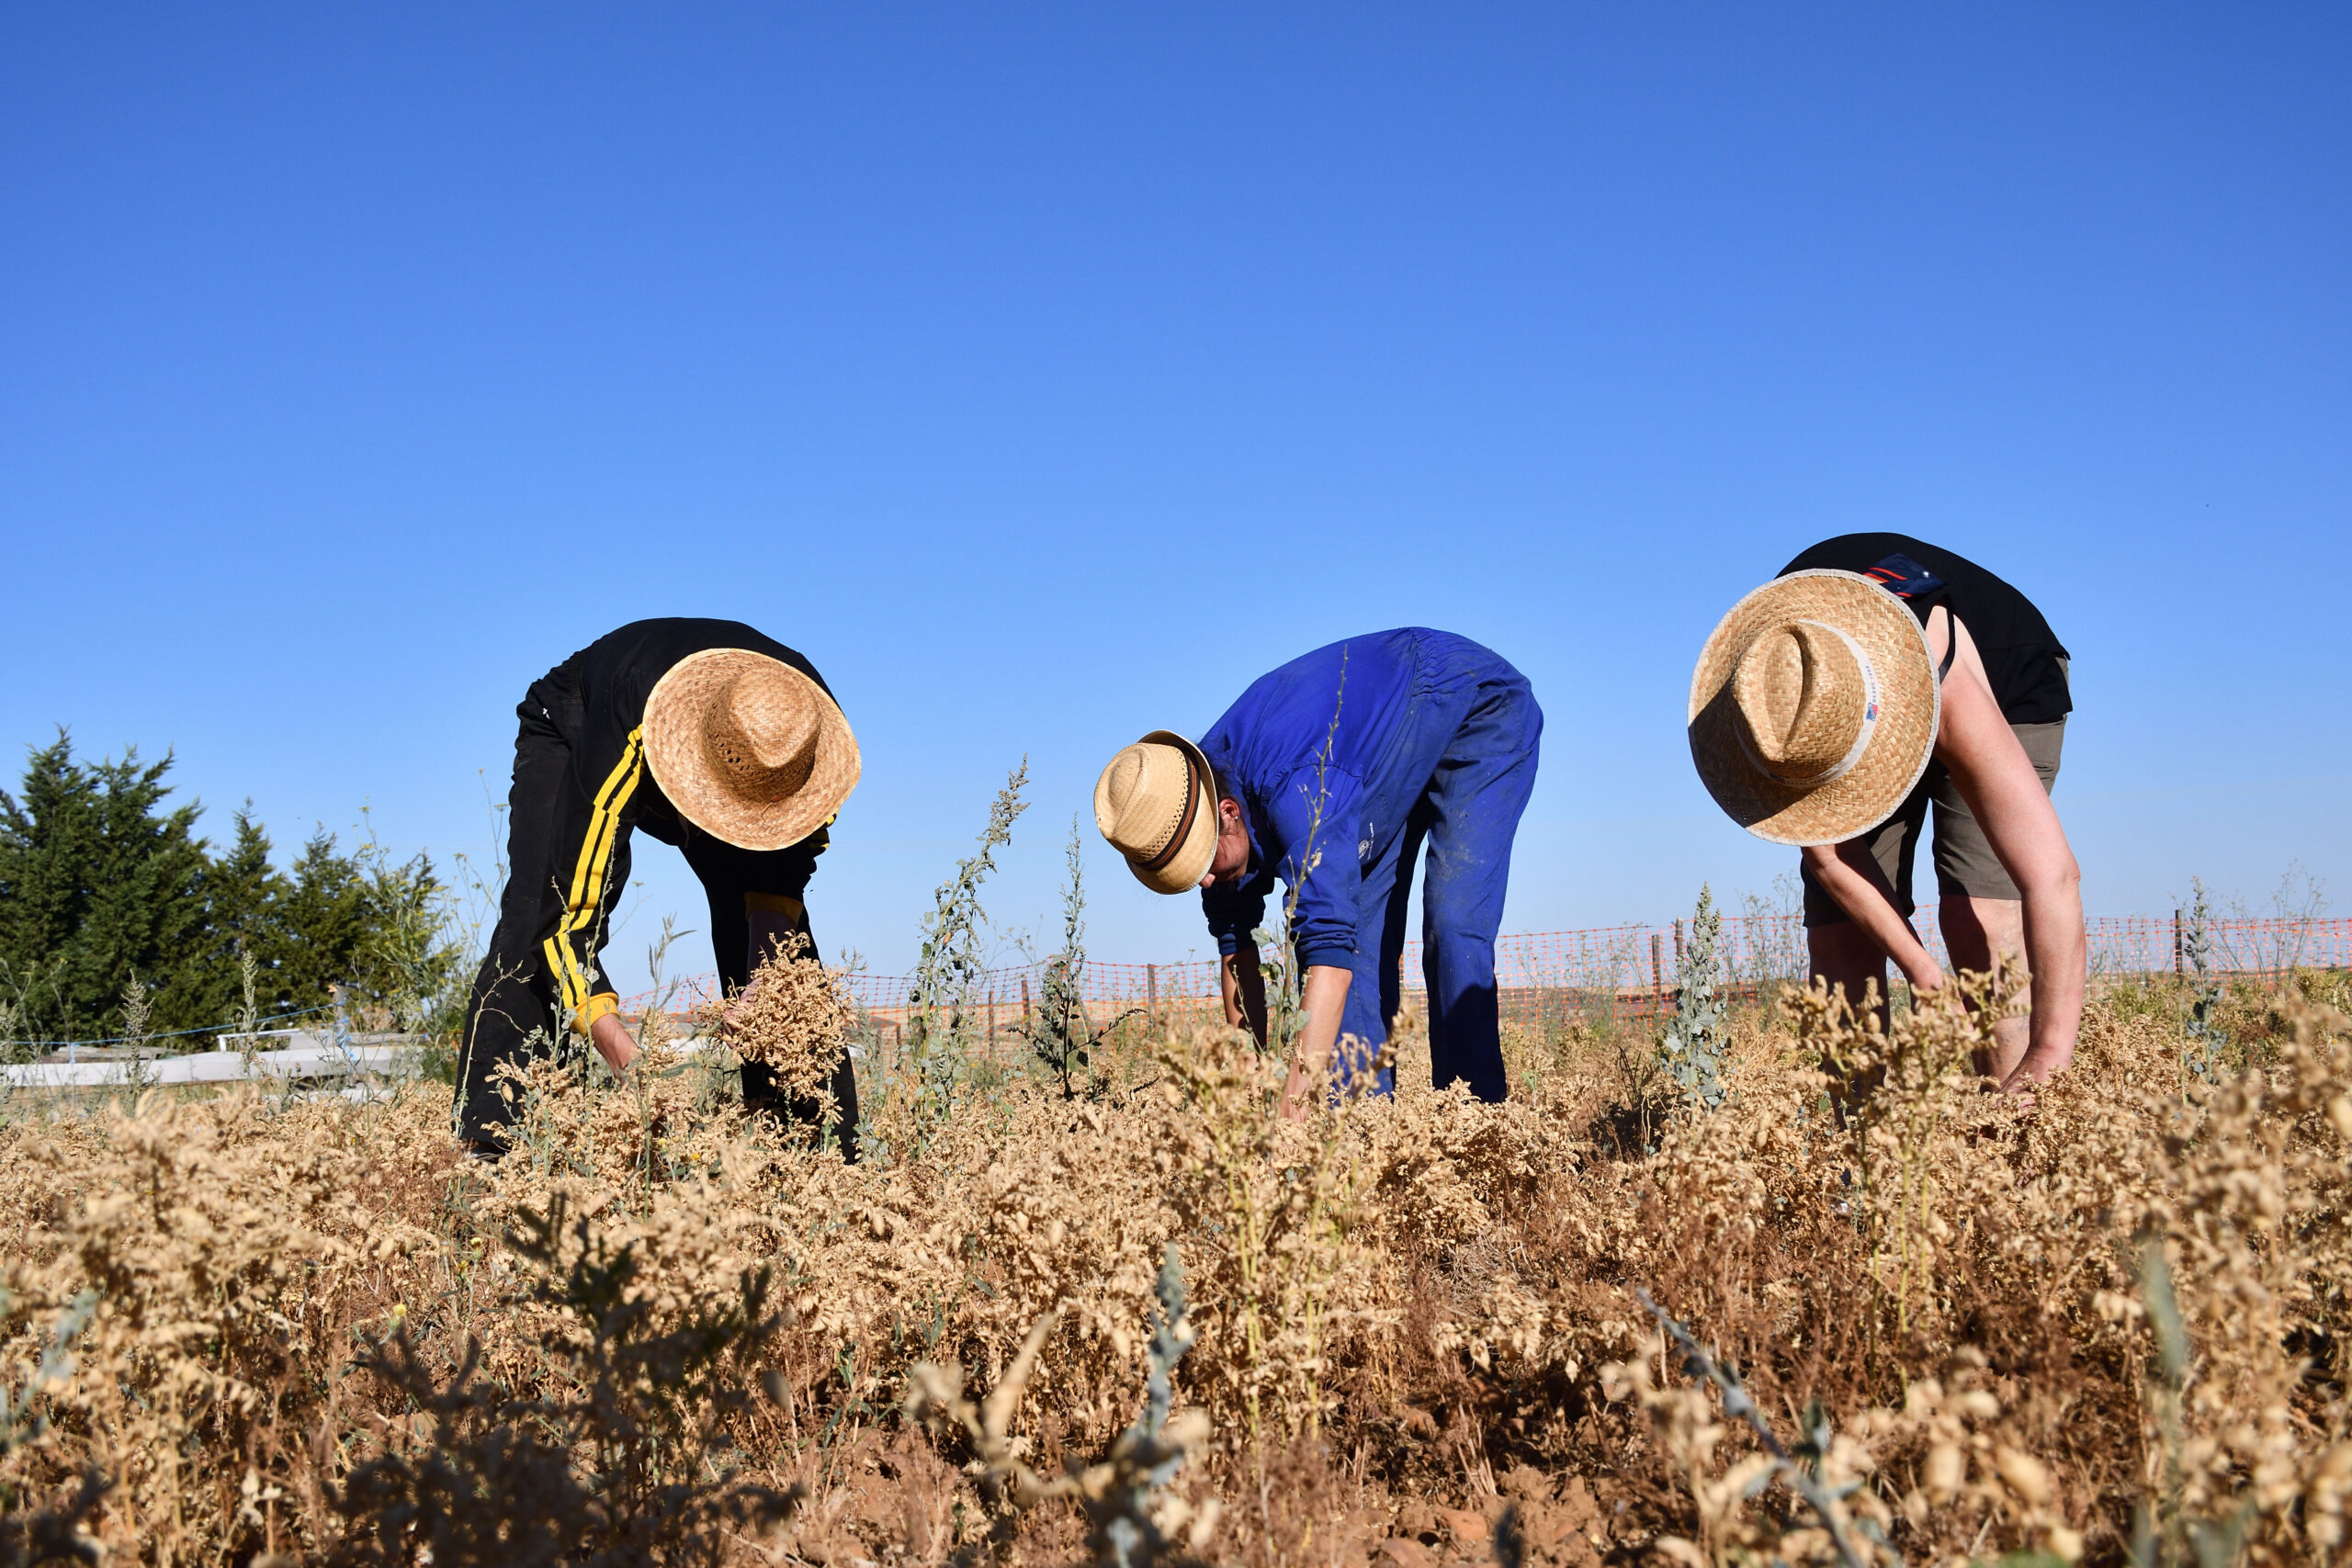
277, 1056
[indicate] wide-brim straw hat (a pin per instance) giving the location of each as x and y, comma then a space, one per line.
750, 750
1156, 803
1813, 709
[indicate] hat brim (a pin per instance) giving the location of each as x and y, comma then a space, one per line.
674, 749
1182, 871
1910, 707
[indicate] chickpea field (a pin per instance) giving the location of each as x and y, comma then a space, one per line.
1830, 1302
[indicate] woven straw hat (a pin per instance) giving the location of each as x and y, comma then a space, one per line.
1157, 804
750, 750
1813, 709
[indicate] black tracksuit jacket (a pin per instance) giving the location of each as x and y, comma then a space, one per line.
581, 790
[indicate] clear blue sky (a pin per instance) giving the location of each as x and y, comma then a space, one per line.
1047, 373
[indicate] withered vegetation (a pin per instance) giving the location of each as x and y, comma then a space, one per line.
791, 1018
2110, 1325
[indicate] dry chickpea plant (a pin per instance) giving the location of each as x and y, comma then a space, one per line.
1845, 1306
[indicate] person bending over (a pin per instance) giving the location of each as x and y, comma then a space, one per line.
1330, 773
708, 735
1876, 675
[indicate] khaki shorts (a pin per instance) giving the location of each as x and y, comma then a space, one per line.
1965, 863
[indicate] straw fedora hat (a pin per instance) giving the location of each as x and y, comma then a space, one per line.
1813, 709
1157, 804
750, 750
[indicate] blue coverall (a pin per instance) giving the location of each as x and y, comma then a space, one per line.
1436, 739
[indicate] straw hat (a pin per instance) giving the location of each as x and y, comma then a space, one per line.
1157, 805
1813, 709
750, 750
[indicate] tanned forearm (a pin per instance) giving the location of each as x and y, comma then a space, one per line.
1850, 875
2056, 952
2054, 946
1994, 777
1326, 997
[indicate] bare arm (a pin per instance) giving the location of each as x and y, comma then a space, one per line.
1326, 998
1994, 776
1849, 874
1244, 985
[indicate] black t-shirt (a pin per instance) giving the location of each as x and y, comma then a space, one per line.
2021, 654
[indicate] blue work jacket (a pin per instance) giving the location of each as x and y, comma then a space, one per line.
1269, 747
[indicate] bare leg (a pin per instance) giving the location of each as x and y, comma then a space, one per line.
1974, 930
1844, 956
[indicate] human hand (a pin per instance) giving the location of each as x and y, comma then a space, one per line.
732, 1015
610, 1037
1295, 1104
2023, 1081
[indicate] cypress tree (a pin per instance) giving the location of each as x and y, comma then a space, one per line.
321, 923
102, 884
98, 886
243, 895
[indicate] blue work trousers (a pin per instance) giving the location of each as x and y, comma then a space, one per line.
1472, 728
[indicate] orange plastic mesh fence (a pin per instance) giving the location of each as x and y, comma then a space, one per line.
1625, 971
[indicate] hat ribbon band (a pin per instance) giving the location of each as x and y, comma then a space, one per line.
1184, 823
1862, 734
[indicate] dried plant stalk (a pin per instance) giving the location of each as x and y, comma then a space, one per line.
794, 1018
